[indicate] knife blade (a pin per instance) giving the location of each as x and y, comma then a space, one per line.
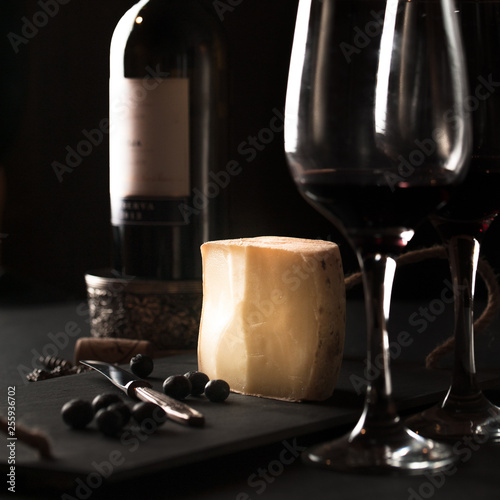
141, 389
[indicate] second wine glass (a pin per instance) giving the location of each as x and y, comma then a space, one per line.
374, 134
463, 222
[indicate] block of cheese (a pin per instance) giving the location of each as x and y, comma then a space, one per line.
273, 316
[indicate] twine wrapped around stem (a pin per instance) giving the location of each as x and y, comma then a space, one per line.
485, 271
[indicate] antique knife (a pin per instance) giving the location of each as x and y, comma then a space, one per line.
140, 389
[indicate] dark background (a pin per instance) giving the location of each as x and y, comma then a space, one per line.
56, 87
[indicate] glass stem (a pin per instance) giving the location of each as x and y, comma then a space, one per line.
463, 255
378, 277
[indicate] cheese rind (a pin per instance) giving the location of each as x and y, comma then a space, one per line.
273, 316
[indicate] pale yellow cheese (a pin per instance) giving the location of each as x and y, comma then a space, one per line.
273, 316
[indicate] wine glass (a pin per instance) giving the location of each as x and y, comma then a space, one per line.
462, 223
374, 135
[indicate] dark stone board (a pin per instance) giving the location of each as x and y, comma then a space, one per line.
240, 423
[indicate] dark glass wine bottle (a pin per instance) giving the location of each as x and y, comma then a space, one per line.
167, 139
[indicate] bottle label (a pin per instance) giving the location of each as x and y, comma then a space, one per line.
149, 150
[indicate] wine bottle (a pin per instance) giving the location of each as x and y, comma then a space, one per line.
167, 139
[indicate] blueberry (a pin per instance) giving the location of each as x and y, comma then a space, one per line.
149, 415
217, 390
141, 365
77, 413
122, 409
177, 386
198, 382
104, 400
109, 422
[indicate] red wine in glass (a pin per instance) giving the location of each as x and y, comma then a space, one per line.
352, 207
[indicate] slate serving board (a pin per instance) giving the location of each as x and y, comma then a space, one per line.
240, 423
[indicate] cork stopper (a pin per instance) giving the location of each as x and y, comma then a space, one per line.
111, 350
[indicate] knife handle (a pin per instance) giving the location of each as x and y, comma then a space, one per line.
175, 410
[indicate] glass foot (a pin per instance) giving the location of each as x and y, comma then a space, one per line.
395, 450
459, 417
